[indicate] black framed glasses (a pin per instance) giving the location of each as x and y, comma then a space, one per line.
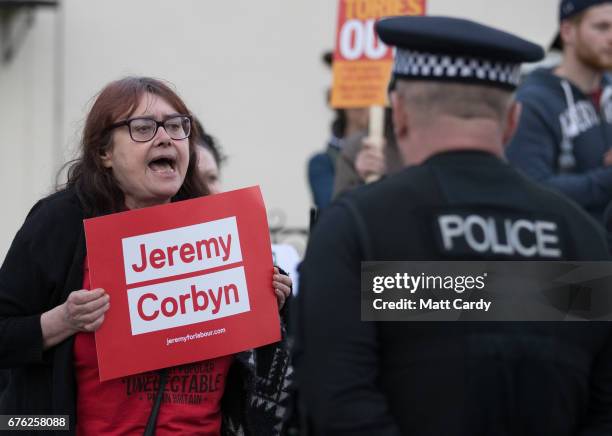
143, 129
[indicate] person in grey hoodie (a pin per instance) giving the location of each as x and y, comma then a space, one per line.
564, 137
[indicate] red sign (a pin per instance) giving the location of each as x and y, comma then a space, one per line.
362, 62
188, 281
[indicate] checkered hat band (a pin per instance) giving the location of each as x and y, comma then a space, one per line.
457, 68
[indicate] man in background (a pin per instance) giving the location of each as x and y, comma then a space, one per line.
564, 137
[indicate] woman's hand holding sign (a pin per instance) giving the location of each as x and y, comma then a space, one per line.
83, 311
282, 287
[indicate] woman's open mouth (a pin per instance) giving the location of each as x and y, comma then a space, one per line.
163, 165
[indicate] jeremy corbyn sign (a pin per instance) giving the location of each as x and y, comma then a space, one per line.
188, 281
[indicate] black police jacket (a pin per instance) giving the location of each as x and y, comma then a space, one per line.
452, 379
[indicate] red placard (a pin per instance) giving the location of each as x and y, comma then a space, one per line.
188, 281
362, 62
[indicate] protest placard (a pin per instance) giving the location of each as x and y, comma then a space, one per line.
362, 62
188, 281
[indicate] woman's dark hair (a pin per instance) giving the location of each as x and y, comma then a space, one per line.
338, 126
94, 184
203, 139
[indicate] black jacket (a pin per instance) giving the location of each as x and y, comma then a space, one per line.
43, 265
451, 379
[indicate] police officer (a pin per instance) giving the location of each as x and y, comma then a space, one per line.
458, 200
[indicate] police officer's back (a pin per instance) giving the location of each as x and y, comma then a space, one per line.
452, 113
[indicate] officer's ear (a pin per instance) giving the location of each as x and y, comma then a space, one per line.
512, 121
399, 115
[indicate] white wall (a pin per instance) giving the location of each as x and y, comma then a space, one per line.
535, 20
251, 70
26, 126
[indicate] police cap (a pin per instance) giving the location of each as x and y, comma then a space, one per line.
456, 50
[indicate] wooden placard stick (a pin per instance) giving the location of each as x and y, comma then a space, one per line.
376, 132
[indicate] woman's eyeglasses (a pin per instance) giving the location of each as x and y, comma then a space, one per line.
143, 129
